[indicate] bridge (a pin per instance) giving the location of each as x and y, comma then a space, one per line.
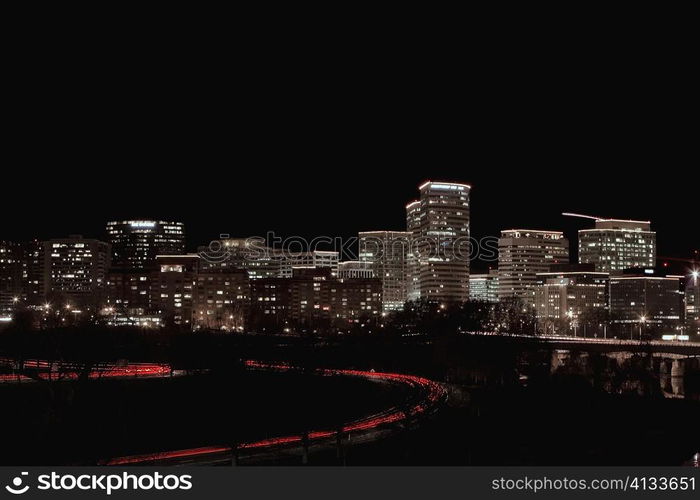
621, 345
591, 344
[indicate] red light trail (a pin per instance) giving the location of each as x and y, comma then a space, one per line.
431, 393
71, 371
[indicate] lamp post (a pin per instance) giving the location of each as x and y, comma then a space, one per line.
642, 321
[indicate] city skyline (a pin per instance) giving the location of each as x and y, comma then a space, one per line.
308, 212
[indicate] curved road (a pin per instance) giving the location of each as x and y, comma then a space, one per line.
426, 396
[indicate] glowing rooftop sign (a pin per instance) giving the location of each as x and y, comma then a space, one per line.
142, 224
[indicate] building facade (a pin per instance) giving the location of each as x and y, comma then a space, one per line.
221, 300
484, 287
692, 304
413, 222
10, 277
354, 269
173, 288
647, 298
386, 252
577, 298
319, 259
75, 270
247, 254
440, 247
33, 276
136, 243
616, 245
313, 299
522, 254
129, 292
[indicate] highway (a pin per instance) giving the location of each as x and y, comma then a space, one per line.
426, 395
56, 371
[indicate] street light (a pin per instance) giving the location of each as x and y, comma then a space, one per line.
642, 321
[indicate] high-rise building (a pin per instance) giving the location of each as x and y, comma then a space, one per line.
386, 252
522, 253
647, 297
75, 269
439, 227
135, 243
615, 245
572, 295
484, 287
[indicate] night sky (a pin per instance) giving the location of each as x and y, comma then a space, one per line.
337, 159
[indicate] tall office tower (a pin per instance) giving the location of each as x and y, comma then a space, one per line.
75, 269
522, 253
386, 252
439, 226
692, 304
615, 245
135, 243
574, 293
484, 287
647, 297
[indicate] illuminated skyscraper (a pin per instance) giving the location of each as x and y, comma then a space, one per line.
615, 245
522, 253
135, 243
439, 227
